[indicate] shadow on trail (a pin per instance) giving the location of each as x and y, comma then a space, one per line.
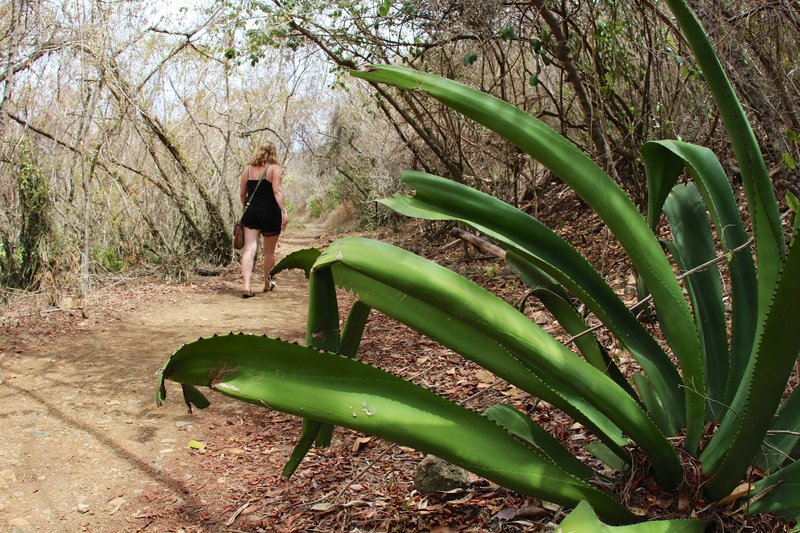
191, 511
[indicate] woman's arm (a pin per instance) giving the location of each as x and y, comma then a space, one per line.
277, 189
243, 185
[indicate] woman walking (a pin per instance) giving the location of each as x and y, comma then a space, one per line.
260, 184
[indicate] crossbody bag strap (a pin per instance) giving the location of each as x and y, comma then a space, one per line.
250, 198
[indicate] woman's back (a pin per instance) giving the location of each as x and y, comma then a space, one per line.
264, 195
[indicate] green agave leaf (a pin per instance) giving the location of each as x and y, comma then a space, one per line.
338, 390
794, 204
583, 520
731, 449
354, 329
322, 332
357, 261
194, 397
316, 432
555, 300
693, 246
604, 455
302, 259
600, 191
778, 493
445, 325
533, 243
322, 329
758, 186
650, 398
521, 426
309, 432
779, 448
664, 161
766, 378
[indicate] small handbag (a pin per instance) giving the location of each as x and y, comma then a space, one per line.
238, 229
238, 236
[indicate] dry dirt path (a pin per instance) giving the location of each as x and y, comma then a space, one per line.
82, 443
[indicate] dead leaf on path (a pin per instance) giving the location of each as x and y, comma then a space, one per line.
115, 504
236, 514
322, 506
464, 499
196, 445
484, 376
360, 442
739, 492
506, 513
665, 502
683, 501
551, 506
532, 511
235, 451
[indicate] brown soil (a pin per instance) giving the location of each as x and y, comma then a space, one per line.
83, 446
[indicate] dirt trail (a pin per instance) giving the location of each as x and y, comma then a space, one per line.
81, 440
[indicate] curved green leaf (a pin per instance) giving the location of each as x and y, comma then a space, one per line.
338, 390
354, 329
694, 246
322, 332
532, 242
765, 378
302, 259
521, 426
316, 432
780, 447
353, 260
600, 191
194, 397
664, 161
555, 300
448, 328
760, 194
583, 520
778, 493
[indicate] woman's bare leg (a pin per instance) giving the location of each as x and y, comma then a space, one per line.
249, 256
270, 243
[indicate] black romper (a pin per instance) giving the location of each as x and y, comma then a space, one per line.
264, 212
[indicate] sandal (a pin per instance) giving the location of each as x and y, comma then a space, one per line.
249, 294
269, 286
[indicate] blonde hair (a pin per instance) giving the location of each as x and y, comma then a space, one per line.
264, 154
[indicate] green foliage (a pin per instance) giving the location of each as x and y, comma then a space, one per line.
507, 33
109, 259
21, 258
738, 380
318, 207
583, 520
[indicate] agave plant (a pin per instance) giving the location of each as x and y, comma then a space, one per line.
737, 380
